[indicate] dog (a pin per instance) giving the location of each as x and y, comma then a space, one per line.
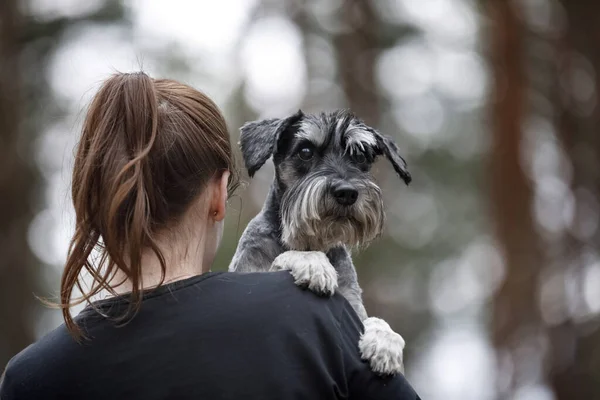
323, 203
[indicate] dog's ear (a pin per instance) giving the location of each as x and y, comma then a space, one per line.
258, 139
389, 148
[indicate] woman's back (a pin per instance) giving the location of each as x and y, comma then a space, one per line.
213, 336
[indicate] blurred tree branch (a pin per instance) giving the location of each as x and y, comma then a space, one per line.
110, 11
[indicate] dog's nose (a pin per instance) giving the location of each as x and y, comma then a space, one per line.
344, 193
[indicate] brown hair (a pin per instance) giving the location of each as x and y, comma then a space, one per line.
147, 150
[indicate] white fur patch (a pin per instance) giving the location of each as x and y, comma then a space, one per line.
382, 347
311, 131
309, 268
308, 209
358, 138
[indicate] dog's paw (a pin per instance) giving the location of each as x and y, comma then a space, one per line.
310, 269
382, 347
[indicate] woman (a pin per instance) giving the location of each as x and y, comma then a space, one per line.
150, 184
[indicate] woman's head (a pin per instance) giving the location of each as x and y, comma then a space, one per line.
154, 162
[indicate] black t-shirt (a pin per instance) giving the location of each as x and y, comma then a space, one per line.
214, 336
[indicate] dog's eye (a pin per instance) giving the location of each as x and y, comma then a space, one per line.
359, 158
305, 153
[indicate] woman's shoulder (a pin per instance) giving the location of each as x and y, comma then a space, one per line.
275, 294
277, 286
40, 364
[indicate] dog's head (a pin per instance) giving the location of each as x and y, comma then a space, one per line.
322, 165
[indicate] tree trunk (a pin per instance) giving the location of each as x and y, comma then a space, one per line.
575, 371
17, 182
516, 318
356, 49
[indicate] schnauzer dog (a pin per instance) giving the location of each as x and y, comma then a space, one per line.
322, 203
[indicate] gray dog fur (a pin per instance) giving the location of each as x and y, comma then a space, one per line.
323, 197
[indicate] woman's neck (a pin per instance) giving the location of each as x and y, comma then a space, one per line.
182, 261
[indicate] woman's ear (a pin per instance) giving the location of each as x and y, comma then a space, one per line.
219, 198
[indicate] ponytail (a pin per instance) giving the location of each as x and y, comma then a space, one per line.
147, 150
113, 192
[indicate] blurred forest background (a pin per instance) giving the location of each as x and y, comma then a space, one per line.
489, 266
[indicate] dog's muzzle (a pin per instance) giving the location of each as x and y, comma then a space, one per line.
320, 213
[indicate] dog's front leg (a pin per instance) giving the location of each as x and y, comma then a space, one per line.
310, 269
347, 279
379, 344
382, 347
